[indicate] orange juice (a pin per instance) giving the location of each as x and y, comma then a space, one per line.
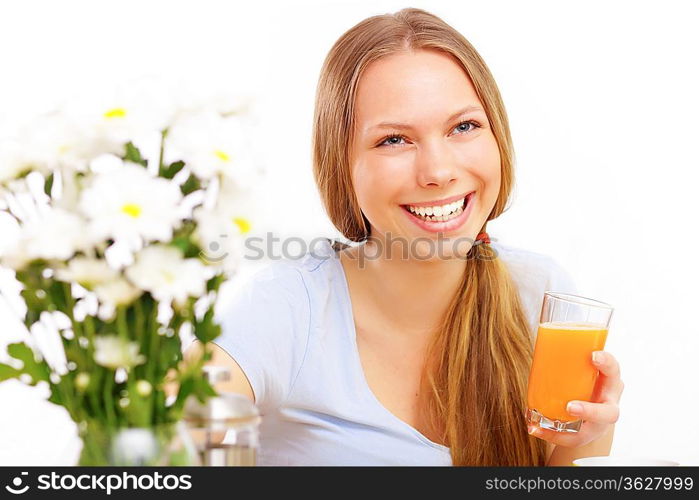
562, 368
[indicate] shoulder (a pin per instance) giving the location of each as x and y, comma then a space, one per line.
279, 289
530, 267
314, 261
288, 277
534, 273
267, 318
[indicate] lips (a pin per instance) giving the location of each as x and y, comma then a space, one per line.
436, 203
443, 226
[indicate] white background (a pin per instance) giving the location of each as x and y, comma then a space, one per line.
602, 99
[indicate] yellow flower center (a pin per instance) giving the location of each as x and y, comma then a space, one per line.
115, 113
169, 277
222, 155
132, 210
243, 224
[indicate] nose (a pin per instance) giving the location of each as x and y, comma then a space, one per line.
435, 165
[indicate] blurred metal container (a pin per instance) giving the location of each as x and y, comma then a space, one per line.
225, 430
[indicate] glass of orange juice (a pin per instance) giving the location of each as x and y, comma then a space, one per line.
570, 329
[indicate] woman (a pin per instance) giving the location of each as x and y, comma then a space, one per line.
417, 355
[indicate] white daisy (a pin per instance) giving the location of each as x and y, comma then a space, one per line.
221, 232
117, 292
128, 202
114, 352
10, 231
54, 234
163, 271
48, 341
111, 117
87, 272
212, 145
52, 140
13, 160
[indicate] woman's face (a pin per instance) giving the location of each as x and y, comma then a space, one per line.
432, 151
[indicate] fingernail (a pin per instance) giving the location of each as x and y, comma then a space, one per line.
598, 357
574, 408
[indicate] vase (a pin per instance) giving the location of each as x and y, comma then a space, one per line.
158, 446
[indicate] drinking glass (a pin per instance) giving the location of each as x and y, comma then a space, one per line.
570, 329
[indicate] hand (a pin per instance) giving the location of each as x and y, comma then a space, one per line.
598, 414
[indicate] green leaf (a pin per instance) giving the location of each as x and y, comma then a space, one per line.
48, 184
41, 293
183, 243
187, 386
183, 240
191, 185
214, 283
203, 389
170, 353
38, 370
55, 396
7, 372
207, 330
133, 154
172, 170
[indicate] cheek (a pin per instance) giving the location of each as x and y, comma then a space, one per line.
491, 176
376, 183
484, 155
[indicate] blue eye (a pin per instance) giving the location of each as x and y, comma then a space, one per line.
391, 137
474, 125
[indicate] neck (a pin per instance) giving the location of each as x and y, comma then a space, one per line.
408, 295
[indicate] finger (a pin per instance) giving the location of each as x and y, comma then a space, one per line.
609, 384
606, 364
587, 433
604, 413
607, 391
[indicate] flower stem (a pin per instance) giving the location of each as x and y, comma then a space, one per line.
94, 400
77, 329
122, 326
153, 359
162, 149
141, 336
108, 398
90, 333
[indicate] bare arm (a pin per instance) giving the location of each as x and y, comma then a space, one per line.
238, 382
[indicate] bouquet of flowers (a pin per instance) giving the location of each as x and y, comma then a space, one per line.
121, 217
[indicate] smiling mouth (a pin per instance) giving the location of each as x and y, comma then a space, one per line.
439, 213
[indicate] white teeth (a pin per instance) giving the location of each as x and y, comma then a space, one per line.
420, 212
438, 211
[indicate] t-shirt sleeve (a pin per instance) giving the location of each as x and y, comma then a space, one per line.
265, 329
535, 273
560, 279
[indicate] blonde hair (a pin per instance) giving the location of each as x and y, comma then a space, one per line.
475, 376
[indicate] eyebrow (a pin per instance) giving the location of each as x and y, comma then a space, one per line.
405, 126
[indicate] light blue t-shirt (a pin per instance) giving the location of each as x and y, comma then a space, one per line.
291, 330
